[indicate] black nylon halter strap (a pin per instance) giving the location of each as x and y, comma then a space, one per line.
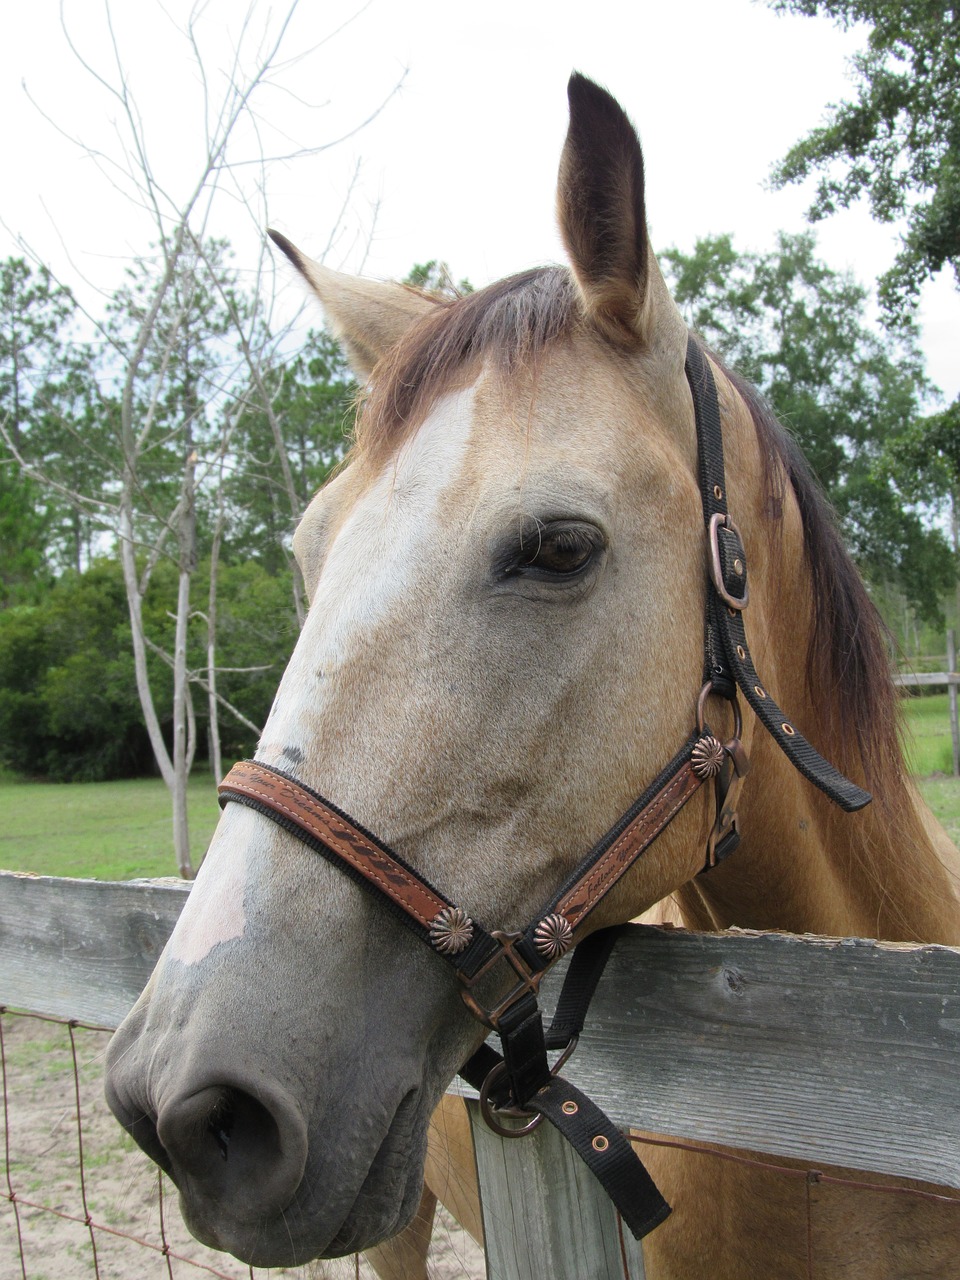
727, 653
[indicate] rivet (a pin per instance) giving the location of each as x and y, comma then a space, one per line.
741, 652
738, 567
761, 693
569, 1108
600, 1143
788, 729
707, 757
717, 492
451, 931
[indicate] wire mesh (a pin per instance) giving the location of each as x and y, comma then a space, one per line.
79, 1193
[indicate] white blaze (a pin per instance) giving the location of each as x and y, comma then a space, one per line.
379, 550
373, 561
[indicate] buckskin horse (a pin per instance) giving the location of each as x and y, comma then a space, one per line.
527, 596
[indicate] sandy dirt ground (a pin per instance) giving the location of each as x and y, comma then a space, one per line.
122, 1187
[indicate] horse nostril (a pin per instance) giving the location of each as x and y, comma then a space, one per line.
222, 1138
230, 1147
221, 1126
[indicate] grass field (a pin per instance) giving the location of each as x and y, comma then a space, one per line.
928, 746
100, 830
121, 830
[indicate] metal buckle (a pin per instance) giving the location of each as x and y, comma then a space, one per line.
492, 1113
705, 693
718, 521
729, 780
529, 980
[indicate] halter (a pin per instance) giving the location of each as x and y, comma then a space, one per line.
521, 1084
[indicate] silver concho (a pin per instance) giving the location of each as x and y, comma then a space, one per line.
707, 757
552, 936
451, 931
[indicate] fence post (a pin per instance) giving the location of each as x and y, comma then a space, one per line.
954, 720
544, 1213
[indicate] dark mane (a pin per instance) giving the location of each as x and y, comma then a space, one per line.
849, 677
507, 324
510, 324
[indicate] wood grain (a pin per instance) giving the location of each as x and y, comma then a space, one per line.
843, 1052
544, 1213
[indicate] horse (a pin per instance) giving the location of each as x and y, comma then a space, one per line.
505, 641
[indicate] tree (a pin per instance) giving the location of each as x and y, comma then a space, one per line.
923, 461
33, 314
797, 330
68, 699
436, 277
898, 143
149, 500
310, 397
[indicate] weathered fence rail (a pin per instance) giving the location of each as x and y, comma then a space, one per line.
806, 1047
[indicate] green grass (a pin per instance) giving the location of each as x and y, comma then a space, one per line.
99, 830
121, 830
927, 745
943, 797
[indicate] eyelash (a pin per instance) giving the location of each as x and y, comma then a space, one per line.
544, 549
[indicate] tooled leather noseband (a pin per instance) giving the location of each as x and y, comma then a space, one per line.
521, 1083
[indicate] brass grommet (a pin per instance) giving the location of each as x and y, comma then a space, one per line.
600, 1143
761, 693
717, 492
569, 1108
788, 729
738, 567
741, 652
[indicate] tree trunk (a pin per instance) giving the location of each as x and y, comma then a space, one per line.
213, 712
187, 537
135, 610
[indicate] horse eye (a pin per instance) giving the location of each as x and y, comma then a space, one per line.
553, 551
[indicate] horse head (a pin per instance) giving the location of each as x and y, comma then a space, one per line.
504, 645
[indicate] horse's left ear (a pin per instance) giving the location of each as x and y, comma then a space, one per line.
600, 200
367, 316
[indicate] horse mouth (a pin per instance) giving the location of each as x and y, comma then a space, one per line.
386, 1200
254, 1184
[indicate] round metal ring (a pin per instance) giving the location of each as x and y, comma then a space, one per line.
734, 703
491, 1113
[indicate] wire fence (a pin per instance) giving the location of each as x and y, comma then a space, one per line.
79, 1198
82, 1201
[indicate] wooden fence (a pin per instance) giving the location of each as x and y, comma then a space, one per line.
806, 1047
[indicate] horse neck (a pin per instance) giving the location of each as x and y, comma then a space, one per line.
803, 865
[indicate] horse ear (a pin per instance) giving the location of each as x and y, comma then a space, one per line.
600, 198
368, 316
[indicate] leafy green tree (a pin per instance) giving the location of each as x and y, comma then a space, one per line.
797, 330
923, 461
311, 397
898, 143
436, 277
34, 312
68, 700
24, 572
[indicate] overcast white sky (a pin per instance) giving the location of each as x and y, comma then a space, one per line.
461, 163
